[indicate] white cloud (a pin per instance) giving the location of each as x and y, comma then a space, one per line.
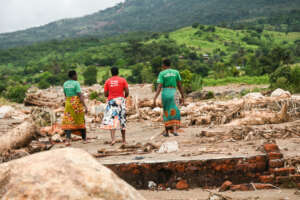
22, 14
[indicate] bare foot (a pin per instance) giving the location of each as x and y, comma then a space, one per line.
67, 144
124, 142
113, 143
85, 142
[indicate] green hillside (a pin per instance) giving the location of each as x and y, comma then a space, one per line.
164, 15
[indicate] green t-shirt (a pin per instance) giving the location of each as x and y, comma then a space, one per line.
169, 78
71, 88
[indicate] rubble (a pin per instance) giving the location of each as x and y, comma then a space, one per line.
6, 111
71, 173
19, 137
52, 97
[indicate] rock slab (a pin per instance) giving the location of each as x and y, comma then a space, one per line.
62, 174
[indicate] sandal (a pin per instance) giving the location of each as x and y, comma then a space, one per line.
166, 134
175, 134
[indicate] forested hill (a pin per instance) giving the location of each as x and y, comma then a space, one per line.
161, 15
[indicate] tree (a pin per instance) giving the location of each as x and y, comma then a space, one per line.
90, 75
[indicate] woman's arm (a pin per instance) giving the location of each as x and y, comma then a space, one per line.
126, 92
82, 101
157, 94
179, 85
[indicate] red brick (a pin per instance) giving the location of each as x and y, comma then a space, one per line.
235, 187
260, 159
278, 163
283, 179
271, 148
161, 187
261, 166
296, 178
259, 186
246, 187
266, 179
274, 155
182, 185
180, 168
252, 166
136, 171
283, 171
225, 186
241, 187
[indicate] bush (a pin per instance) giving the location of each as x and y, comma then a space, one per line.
197, 83
190, 81
286, 78
16, 93
281, 72
90, 75
43, 84
195, 25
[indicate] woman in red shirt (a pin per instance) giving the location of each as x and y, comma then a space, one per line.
116, 90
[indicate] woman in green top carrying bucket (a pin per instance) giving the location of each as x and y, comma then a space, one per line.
168, 80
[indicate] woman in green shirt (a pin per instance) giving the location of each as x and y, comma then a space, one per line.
73, 119
168, 80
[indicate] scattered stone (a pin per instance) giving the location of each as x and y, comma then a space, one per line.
281, 93
152, 185
225, 186
213, 196
182, 185
253, 95
169, 147
57, 138
271, 148
6, 111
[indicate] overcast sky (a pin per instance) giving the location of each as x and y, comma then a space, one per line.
22, 14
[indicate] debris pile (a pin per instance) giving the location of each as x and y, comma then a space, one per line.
127, 150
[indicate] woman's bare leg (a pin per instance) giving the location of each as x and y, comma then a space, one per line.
113, 136
123, 132
68, 137
175, 131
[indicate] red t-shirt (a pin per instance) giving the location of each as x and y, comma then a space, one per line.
115, 87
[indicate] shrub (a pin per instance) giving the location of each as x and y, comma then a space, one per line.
190, 81
195, 25
197, 83
210, 94
43, 84
286, 78
16, 93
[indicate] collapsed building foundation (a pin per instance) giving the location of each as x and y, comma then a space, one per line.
244, 173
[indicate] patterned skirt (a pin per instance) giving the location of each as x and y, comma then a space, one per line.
74, 114
115, 115
171, 114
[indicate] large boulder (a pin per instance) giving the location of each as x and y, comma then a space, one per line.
62, 174
281, 93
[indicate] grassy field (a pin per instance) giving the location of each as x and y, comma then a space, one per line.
222, 39
251, 80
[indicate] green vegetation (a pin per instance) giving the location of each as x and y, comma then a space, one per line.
165, 15
251, 80
90, 75
205, 55
286, 77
